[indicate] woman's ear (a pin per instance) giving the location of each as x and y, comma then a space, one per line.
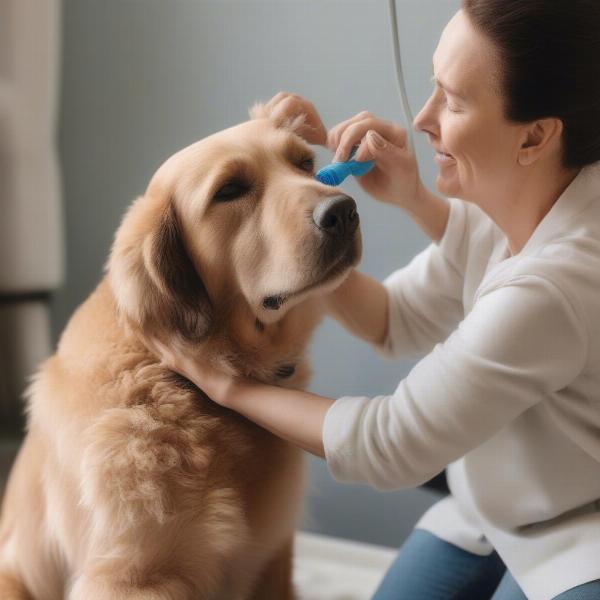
153, 279
539, 137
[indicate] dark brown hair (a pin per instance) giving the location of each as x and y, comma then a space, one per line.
550, 65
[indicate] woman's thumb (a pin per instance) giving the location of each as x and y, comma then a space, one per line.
376, 143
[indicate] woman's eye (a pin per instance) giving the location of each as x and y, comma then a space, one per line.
448, 105
308, 165
231, 191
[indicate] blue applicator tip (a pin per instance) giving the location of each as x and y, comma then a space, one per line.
335, 173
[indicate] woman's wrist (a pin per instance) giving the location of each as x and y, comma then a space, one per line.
228, 391
223, 389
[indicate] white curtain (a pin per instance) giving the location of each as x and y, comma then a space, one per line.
31, 237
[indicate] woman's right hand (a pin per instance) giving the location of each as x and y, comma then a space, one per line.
395, 177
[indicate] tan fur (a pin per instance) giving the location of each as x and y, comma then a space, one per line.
130, 484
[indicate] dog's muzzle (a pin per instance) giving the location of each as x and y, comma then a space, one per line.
337, 220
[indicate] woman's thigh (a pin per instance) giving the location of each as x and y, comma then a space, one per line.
509, 590
428, 568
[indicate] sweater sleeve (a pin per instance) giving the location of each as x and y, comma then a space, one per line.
425, 297
519, 344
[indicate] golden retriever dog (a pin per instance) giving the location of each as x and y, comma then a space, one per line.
130, 483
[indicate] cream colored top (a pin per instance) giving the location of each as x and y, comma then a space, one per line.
507, 396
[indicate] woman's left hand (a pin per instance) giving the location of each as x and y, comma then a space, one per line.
216, 384
288, 105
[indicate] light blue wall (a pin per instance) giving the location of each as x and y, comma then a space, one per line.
143, 78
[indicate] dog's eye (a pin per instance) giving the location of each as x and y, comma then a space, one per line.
231, 191
308, 165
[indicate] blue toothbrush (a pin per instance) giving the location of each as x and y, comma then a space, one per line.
335, 173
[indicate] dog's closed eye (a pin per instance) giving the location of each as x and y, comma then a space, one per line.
307, 164
232, 190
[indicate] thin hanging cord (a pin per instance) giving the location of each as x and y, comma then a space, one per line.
399, 75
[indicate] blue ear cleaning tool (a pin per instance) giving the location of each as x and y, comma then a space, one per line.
336, 172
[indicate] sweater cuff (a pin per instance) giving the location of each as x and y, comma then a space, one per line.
338, 433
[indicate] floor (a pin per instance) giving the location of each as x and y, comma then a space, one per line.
328, 568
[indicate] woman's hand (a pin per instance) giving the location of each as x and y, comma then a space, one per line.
395, 177
293, 415
216, 384
288, 106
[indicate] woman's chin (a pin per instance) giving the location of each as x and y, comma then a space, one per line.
449, 186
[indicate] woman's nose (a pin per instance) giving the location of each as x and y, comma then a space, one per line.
426, 120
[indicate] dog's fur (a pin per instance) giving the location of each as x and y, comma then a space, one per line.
130, 483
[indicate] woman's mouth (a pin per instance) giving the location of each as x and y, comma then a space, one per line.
443, 158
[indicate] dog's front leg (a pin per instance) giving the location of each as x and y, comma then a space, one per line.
275, 581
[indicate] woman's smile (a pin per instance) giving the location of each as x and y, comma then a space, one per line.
444, 159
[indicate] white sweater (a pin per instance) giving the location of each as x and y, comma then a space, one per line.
508, 396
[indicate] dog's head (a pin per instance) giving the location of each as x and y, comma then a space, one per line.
235, 221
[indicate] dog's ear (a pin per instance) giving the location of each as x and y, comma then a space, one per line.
153, 278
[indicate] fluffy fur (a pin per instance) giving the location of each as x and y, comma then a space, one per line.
130, 484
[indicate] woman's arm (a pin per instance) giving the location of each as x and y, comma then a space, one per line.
360, 304
293, 415
519, 345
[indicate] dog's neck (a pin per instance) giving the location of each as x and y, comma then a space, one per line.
271, 352
239, 343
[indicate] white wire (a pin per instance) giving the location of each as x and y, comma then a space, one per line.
399, 75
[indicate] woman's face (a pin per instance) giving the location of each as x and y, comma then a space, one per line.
476, 146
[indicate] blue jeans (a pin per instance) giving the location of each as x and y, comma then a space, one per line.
428, 568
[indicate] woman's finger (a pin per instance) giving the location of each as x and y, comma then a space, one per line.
371, 146
353, 135
335, 133
276, 99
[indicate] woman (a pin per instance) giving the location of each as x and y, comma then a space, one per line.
504, 303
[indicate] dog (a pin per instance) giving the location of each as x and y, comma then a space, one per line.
130, 483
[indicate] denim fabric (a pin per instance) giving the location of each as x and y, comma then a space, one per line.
428, 568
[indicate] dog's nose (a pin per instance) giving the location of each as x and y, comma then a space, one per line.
336, 216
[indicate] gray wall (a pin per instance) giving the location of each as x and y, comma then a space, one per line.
143, 78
